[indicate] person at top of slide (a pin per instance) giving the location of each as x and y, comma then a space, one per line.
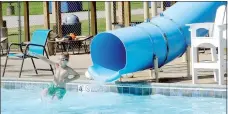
56, 88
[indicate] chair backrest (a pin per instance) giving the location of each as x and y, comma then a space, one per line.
219, 19
39, 37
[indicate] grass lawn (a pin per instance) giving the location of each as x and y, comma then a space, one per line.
36, 8
13, 32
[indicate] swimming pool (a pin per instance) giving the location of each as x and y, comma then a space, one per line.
26, 100
21, 101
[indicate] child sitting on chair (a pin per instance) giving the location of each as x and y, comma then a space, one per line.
57, 89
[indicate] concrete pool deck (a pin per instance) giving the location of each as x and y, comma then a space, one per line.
173, 72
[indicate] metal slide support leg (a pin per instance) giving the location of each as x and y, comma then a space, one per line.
120, 79
151, 73
156, 69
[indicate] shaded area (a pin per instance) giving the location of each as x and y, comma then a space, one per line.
110, 53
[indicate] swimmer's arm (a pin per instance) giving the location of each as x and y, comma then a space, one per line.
42, 58
72, 72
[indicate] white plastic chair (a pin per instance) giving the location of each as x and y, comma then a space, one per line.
217, 39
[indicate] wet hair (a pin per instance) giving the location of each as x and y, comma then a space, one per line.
65, 55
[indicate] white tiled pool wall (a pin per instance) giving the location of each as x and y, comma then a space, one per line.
136, 89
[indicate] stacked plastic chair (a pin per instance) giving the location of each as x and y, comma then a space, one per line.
217, 39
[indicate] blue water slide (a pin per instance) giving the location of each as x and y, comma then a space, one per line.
132, 49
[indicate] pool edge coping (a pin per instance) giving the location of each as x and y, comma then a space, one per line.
128, 84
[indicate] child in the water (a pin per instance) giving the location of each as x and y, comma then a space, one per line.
57, 89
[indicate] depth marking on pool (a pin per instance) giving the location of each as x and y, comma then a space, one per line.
93, 88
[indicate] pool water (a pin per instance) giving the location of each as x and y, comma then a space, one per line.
19, 101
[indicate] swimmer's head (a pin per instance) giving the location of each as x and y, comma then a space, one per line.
63, 59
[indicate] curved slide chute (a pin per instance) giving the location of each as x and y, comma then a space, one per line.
132, 49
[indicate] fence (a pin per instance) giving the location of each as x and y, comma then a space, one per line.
12, 20
137, 12
13, 15
75, 17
